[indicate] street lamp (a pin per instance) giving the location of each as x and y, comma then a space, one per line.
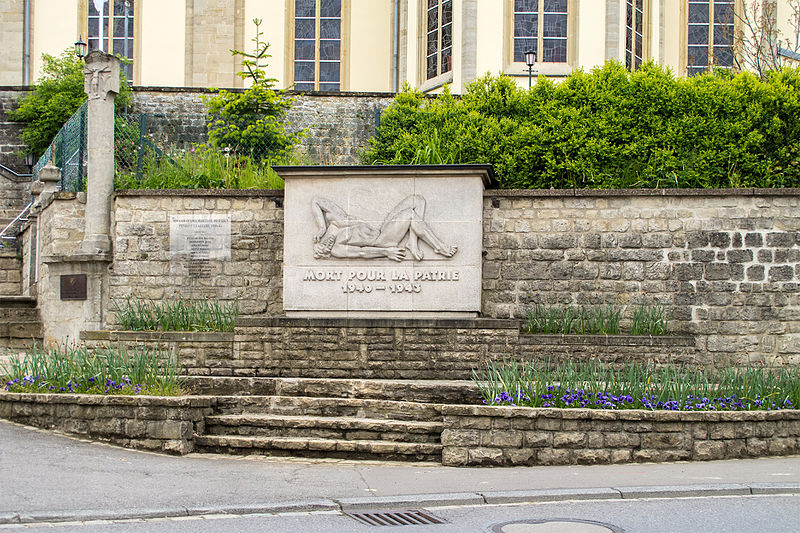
530, 60
80, 48
30, 160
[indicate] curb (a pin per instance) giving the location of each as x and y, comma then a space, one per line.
452, 499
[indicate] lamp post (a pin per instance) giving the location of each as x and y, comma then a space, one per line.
80, 48
530, 60
30, 161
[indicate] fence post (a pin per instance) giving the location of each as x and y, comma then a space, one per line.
142, 133
82, 149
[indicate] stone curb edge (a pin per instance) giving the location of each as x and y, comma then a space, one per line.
410, 501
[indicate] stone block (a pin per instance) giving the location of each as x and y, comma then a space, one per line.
485, 456
549, 456
569, 439
460, 438
708, 450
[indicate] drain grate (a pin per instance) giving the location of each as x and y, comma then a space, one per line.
411, 517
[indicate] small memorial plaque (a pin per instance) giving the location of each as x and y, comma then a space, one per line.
73, 287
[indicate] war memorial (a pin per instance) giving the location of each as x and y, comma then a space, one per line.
367, 296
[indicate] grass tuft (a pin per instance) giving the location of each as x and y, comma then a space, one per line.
591, 384
75, 369
176, 315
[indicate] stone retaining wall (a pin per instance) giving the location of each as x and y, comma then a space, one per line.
725, 263
10, 143
164, 424
198, 352
506, 436
337, 126
380, 349
10, 272
144, 268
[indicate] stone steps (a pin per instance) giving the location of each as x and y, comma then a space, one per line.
347, 428
320, 448
423, 391
305, 426
329, 407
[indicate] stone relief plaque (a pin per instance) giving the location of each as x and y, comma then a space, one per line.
382, 245
200, 239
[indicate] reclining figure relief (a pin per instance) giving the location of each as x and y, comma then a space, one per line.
343, 236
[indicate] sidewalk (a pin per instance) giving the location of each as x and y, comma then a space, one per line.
48, 477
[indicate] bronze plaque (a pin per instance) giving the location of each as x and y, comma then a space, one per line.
73, 287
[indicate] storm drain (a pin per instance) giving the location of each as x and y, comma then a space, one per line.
396, 518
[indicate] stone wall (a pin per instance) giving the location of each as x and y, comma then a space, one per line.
10, 143
337, 126
381, 349
143, 267
506, 436
10, 272
725, 263
14, 195
150, 423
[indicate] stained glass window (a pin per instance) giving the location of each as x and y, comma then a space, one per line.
438, 38
541, 26
709, 35
113, 32
317, 45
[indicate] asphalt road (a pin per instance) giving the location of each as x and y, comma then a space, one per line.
49, 478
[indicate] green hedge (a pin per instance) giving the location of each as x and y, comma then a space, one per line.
609, 128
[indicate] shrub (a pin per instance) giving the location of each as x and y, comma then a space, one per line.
608, 128
55, 98
251, 122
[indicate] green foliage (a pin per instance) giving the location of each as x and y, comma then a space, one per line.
176, 315
57, 95
609, 128
251, 122
566, 320
202, 169
75, 369
591, 384
649, 320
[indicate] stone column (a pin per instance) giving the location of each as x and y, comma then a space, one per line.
101, 83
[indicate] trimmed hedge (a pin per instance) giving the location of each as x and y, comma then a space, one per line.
609, 128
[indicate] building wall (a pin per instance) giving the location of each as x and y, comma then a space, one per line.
188, 42
11, 28
724, 263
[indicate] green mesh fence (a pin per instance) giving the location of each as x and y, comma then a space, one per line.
135, 143
68, 152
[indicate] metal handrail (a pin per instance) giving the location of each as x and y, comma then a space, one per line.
17, 174
11, 224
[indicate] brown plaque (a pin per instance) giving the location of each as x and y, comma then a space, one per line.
73, 287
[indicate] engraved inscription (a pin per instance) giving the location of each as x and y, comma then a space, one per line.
343, 236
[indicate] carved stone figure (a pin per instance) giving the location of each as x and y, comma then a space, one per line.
101, 75
343, 236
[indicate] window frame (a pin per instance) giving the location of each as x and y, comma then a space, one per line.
645, 33
737, 6
517, 68
83, 13
344, 41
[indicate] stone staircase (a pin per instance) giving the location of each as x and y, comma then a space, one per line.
337, 422
20, 325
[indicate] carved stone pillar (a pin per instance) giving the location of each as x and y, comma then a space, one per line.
101, 83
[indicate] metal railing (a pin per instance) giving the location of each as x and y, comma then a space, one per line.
9, 234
